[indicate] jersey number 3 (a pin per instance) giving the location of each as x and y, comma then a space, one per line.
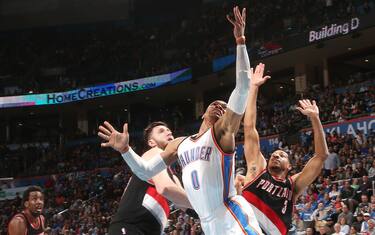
284, 207
194, 179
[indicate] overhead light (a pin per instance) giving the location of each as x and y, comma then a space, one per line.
20, 124
30, 92
292, 79
125, 109
188, 99
281, 87
349, 48
366, 60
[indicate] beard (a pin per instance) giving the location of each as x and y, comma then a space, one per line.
276, 169
35, 213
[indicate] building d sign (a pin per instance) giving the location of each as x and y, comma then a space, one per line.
334, 30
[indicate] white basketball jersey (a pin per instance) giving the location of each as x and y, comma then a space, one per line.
207, 173
208, 176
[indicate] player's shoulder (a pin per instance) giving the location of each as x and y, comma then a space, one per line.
18, 221
176, 142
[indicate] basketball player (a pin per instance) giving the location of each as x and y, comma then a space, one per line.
206, 158
143, 208
30, 221
268, 187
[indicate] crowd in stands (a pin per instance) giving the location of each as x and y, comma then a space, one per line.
341, 199
36, 60
335, 105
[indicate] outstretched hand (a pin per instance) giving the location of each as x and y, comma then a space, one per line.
114, 139
239, 22
257, 78
308, 108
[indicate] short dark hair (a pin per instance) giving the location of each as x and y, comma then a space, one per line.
27, 192
147, 131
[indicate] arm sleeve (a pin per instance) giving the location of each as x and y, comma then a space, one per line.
142, 168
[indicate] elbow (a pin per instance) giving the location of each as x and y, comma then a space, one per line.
323, 156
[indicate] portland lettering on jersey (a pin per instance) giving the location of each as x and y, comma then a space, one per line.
275, 190
195, 154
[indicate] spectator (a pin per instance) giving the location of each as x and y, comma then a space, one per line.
347, 214
332, 162
344, 227
364, 226
337, 228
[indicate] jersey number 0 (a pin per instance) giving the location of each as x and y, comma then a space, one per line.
194, 179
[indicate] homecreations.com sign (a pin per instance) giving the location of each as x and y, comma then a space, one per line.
334, 30
96, 91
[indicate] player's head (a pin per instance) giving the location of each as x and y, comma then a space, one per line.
33, 200
215, 111
279, 163
157, 134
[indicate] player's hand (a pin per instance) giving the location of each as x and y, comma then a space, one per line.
308, 108
257, 78
239, 182
239, 22
114, 139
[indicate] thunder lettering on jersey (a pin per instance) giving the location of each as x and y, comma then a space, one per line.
272, 202
198, 153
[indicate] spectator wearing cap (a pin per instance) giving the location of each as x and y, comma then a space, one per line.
358, 223
347, 214
364, 226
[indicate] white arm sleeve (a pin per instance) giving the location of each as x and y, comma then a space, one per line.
238, 99
142, 168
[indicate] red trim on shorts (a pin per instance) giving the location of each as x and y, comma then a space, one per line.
159, 198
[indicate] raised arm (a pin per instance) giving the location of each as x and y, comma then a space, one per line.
227, 126
315, 164
142, 168
254, 158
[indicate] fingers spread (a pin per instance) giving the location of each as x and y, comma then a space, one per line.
103, 136
104, 145
104, 130
109, 126
231, 20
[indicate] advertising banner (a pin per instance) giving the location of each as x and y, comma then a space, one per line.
96, 91
364, 124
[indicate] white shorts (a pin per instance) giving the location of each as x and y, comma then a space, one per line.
233, 218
